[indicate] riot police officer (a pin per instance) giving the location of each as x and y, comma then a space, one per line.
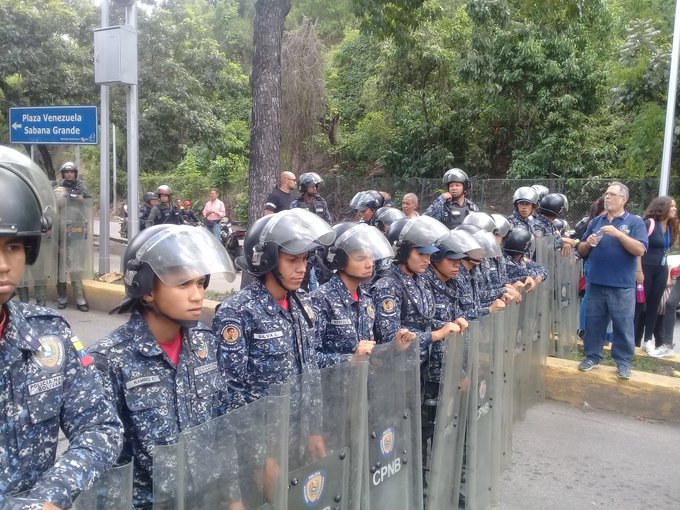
308, 185
366, 204
404, 302
524, 203
75, 240
344, 310
266, 330
551, 207
520, 267
161, 367
451, 207
165, 212
150, 201
47, 382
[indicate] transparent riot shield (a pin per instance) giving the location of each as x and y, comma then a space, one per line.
112, 491
75, 237
446, 459
506, 391
547, 257
394, 461
521, 353
240, 456
480, 475
326, 437
566, 305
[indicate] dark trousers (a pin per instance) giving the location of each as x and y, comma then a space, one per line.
646, 313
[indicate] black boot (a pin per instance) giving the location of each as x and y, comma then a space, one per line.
61, 295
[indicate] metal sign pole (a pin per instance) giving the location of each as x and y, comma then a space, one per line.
104, 241
670, 107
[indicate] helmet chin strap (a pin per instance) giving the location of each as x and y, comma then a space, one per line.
158, 313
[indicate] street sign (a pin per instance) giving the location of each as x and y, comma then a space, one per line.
64, 125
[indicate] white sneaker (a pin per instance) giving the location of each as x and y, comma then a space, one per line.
663, 352
649, 347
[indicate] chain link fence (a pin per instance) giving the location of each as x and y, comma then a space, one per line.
491, 195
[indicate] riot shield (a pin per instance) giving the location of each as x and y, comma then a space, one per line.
112, 491
566, 305
480, 477
326, 432
75, 238
522, 343
394, 461
506, 392
545, 249
240, 456
446, 458
542, 324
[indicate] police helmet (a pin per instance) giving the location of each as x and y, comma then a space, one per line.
458, 244
385, 216
457, 175
149, 196
357, 237
525, 194
309, 179
502, 225
69, 166
21, 211
164, 189
174, 254
561, 225
541, 190
553, 204
295, 231
566, 201
420, 233
485, 239
481, 219
518, 242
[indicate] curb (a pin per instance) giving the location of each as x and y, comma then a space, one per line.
652, 396
645, 395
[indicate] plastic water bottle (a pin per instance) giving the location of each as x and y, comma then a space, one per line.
640, 293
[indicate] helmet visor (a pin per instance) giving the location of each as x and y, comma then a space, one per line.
423, 231
488, 243
363, 240
180, 254
297, 231
459, 244
360, 201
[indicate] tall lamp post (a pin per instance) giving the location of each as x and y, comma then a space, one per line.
669, 129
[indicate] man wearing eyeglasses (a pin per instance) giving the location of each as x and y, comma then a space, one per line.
612, 242
281, 197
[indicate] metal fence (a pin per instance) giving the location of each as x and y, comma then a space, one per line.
491, 195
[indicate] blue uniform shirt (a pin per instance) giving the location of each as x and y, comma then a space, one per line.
156, 400
261, 344
45, 386
341, 321
449, 213
609, 262
404, 301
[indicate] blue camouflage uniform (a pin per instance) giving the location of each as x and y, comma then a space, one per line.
403, 301
446, 310
261, 344
156, 400
46, 382
143, 215
443, 210
520, 269
468, 292
543, 227
516, 221
318, 206
341, 322
490, 284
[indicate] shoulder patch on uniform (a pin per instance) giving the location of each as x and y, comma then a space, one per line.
370, 311
231, 334
310, 312
201, 348
51, 355
85, 359
388, 305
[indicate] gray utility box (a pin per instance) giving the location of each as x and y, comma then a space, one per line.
115, 55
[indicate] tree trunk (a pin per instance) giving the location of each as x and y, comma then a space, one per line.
47, 161
265, 82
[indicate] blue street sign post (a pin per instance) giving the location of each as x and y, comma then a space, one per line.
63, 125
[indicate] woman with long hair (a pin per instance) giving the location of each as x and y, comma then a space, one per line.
662, 227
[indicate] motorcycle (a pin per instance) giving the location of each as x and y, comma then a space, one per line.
232, 238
